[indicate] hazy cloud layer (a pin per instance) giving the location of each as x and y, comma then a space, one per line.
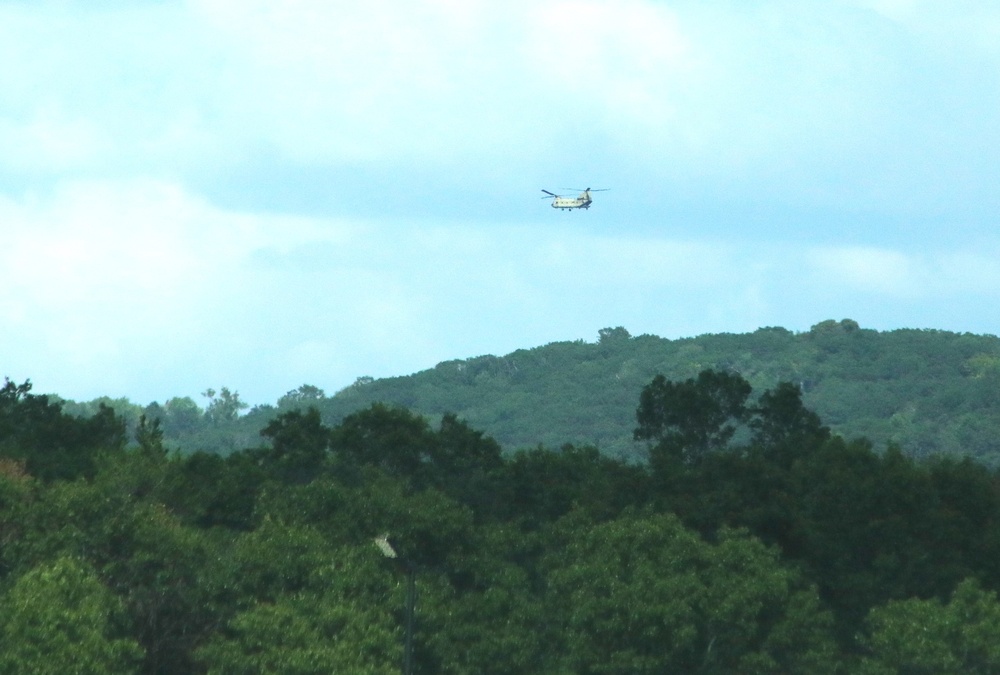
258, 195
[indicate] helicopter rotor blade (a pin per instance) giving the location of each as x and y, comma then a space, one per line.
551, 194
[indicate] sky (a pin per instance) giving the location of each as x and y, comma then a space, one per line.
260, 195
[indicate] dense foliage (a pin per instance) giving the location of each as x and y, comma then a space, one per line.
929, 392
753, 541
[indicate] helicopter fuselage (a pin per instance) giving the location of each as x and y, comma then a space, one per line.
567, 203
581, 202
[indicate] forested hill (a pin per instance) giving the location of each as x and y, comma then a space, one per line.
929, 391
789, 550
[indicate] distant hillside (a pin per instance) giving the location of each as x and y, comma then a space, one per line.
929, 391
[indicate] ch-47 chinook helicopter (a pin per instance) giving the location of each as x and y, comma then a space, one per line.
565, 203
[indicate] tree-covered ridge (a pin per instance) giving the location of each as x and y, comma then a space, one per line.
753, 541
930, 392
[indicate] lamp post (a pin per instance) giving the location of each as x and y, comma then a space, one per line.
389, 551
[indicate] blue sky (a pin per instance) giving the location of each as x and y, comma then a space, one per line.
259, 195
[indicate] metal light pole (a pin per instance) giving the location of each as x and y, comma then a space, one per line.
411, 598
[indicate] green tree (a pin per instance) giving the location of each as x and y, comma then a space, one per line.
933, 638
454, 459
966, 536
58, 618
182, 416
303, 635
278, 558
608, 335
139, 550
207, 490
305, 395
641, 594
391, 439
868, 529
224, 407
149, 436
539, 486
305, 607
486, 615
465, 465
157, 566
299, 446
688, 419
779, 419
54, 445
431, 529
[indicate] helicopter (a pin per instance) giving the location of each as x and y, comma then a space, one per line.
565, 203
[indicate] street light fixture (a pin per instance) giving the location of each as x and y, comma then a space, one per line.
383, 545
389, 551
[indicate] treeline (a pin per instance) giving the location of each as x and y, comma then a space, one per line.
221, 425
753, 540
930, 392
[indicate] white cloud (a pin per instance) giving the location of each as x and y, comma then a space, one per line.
869, 270
971, 271
49, 141
103, 280
585, 261
965, 25
141, 288
123, 268
924, 276
430, 82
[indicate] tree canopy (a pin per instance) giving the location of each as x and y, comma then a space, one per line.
929, 392
755, 540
